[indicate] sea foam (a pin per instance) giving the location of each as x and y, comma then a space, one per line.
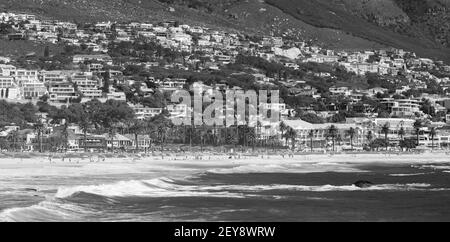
164, 187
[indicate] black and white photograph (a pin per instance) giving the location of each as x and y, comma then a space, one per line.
226, 111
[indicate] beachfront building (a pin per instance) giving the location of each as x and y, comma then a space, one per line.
395, 125
94, 143
441, 139
118, 142
318, 134
144, 141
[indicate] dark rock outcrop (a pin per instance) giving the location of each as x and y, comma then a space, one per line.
363, 184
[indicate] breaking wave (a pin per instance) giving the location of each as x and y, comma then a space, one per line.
81, 202
412, 174
286, 168
165, 187
47, 211
434, 167
160, 187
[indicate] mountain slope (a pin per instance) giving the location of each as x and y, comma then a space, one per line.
354, 18
420, 25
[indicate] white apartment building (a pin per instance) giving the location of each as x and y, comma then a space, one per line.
33, 90
62, 92
172, 84
87, 84
402, 107
55, 76
100, 58
143, 113
8, 88
5, 70
175, 111
25, 76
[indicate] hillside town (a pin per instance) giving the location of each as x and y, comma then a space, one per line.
107, 86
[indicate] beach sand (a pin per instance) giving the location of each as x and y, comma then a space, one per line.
13, 165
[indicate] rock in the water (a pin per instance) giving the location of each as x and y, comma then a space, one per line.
30, 190
363, 184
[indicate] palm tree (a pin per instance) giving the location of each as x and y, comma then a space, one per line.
258, 130
150, 129
351, 134
283, 128
369, 137
203, 133
332, 132
14, 136
84, 126
65, 133
137, 127
417, 126
251, 137
432, 134
401, 133
385, 130
162, 135
39, 128
111, 134
291, 134
311, 136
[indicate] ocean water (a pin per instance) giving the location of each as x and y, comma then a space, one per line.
236, 193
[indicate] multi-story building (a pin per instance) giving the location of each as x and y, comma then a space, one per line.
175, 111
88, 85
6, 82
100, 58
8, 88
402, 107
33, 90
56, 76
5, 70
62, 92
142, 112
320, 137
172, 84
22, 76
178, 110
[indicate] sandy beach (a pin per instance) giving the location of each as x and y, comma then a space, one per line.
31, 164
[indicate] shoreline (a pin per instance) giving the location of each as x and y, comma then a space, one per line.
90, 164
